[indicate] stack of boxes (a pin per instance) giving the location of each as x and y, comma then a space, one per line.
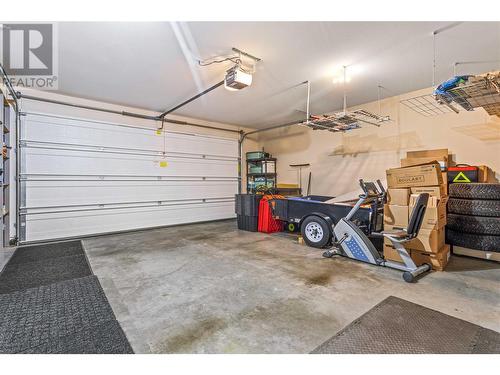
420, 172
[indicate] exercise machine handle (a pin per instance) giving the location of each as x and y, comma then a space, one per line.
369, 189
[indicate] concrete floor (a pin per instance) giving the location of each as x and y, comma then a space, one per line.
210, 288
5, 255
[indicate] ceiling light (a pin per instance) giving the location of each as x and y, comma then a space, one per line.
237, 79
347, 72
340, 79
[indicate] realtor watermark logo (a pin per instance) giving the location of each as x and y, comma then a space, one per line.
29, 54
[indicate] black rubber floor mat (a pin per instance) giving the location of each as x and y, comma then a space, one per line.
398, 326
106, 338
16, 277
48, 251
41, 316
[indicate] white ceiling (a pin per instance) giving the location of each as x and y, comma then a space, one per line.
148, 65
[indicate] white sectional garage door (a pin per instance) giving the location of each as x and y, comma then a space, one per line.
81, 177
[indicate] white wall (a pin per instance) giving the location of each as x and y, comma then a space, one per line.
339, 160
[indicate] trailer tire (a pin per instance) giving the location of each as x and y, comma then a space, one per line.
482, 242
475, 191
474, 224
474, 207
315, 231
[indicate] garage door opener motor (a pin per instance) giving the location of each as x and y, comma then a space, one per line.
351, 242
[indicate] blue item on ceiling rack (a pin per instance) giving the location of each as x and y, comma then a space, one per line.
451, 84
442, 91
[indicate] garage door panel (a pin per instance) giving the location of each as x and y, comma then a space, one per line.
76, 132
71, 193
51, 225
64, 162
82, 177
47, 129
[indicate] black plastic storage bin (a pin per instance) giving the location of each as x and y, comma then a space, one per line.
248, 223
247, 211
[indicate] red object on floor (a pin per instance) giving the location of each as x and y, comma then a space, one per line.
267, 224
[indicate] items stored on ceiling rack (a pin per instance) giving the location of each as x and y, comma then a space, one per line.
473, 92
465, 92
344, 120
261, 171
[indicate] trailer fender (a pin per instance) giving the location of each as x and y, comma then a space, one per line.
327, 218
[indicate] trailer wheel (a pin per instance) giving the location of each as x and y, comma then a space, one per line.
316, 232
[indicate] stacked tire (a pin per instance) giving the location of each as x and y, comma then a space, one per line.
474, 216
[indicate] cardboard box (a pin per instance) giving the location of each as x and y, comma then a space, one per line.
435, 212
437, 260
429, 241
486, 174
488, 255
438, 154
427, 156
398, 197
395, 215
420, 175
409, 162
390, 253
433, 191
445, 182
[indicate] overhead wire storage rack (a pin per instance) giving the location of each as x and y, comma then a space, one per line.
344, 120
479, 91
461, 92
428, 106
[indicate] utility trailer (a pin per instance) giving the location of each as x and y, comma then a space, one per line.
316, 218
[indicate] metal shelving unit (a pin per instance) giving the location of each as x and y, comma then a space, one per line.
2, 166
266, 176
6, 202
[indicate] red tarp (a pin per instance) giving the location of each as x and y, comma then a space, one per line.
267, 223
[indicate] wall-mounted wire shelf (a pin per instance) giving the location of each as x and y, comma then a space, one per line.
344, 121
